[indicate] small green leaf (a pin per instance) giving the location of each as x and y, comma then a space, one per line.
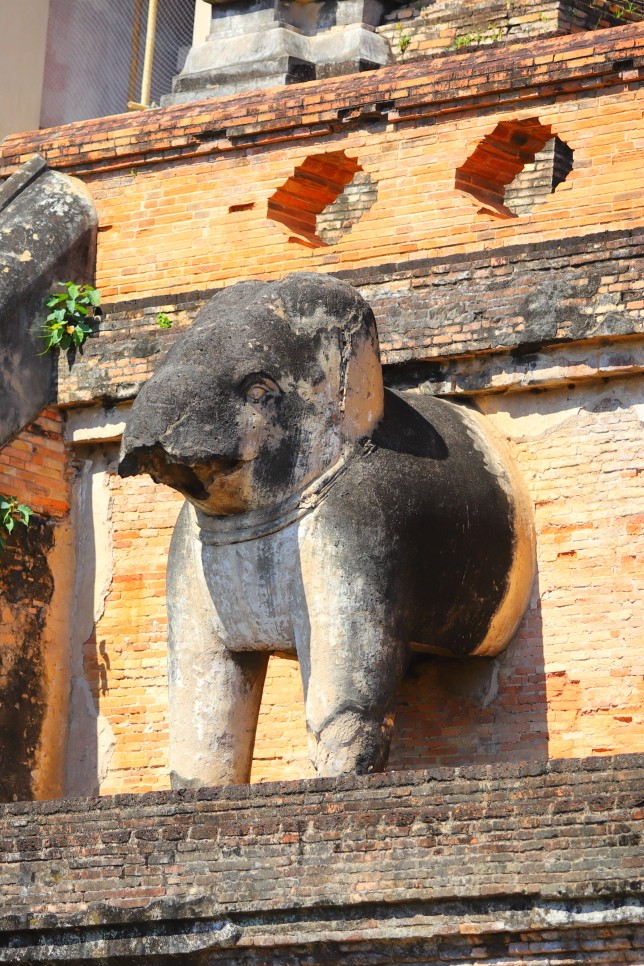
67, 323
11, 512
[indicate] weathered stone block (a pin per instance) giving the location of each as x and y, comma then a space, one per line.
48, 227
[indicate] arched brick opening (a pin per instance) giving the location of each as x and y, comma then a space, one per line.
323, 199
515, 167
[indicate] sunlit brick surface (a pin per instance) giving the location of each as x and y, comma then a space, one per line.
34, 467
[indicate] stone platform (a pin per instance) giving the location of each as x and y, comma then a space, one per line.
526, 863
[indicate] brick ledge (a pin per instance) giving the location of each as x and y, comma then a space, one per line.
490, 78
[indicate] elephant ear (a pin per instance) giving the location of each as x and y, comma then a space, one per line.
334, 314
361, 384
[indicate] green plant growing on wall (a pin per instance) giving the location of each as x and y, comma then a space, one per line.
623, 9
489, 35
404, 40
11, 512
164, 321
618, 10
68, 322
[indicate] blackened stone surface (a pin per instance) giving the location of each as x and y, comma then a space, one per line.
47, 235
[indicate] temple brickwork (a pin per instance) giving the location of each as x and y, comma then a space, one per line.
426, 29
482, 191
519, 864
536, 318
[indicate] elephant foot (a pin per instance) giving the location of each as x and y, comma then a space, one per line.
178, 782
350, 743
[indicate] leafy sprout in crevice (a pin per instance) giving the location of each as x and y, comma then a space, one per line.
71, 312
404, 40
12, 512
164, 321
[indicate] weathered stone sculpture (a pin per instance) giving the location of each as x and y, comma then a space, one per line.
324, 516
47, 235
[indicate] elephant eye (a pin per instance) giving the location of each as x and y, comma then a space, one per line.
256, 392
259, 388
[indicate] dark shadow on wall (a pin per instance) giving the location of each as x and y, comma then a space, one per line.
26, 589
475, 711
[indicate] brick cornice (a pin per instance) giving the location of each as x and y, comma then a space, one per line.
517, 834
497, 76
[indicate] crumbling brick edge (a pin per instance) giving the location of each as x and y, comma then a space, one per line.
446, 855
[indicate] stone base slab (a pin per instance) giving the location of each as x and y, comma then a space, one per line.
517, 863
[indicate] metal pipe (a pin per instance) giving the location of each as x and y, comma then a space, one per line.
150, 38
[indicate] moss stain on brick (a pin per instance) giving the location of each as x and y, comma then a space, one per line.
26, 588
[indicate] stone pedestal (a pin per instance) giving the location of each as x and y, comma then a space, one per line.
271, 43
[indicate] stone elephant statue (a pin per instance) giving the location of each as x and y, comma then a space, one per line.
325, 516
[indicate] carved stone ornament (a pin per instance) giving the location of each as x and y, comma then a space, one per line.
325, 516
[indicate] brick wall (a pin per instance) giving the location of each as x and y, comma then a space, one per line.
426, 29
125, 656
34, 465
532, 864
36, 571
169, 229
466, 303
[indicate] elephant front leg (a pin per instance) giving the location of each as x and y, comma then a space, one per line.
214, 694
351, 670
214, 705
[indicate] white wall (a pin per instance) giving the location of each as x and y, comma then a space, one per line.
23, 35
203, 19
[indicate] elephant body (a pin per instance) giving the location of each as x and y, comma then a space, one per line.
413, 534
